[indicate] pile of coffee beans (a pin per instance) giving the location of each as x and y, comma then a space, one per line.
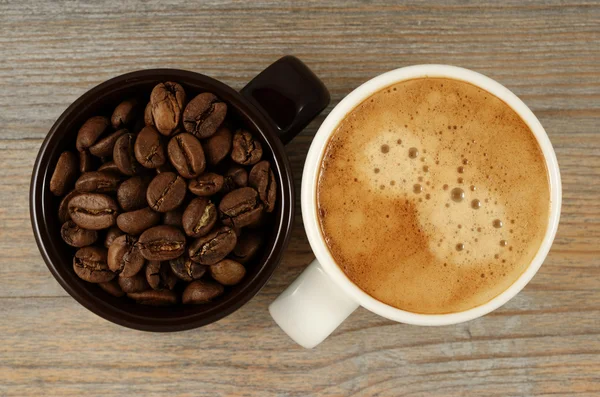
167, 202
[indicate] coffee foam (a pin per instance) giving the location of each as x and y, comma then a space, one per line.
397, 188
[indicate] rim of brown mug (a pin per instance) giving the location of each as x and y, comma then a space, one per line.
256, 121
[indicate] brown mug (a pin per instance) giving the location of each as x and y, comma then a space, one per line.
275, 106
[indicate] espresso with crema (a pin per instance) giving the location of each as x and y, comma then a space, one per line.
433, 196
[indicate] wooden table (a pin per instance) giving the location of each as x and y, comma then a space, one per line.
546, 341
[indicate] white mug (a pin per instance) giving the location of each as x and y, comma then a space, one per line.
322, 297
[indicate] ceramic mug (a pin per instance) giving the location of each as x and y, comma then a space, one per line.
322, 297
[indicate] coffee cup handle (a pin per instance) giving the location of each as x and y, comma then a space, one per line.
312, 307
289, 94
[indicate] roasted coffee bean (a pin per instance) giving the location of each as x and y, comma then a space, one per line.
111, 235
186, 269
218, 146
104, 147
86, 162
98, 181
206, 184
199, 217
148, 120
124, 257
173, 218
63, 207
136, 283
93, 211
240, 207
166, 167
186, 155
112, 287
154, 298
235, 177
167, 101
149, 150
90, 131
131, 194
228, 272
213, 247
201, 291
166, 192
64, 174
162, 243
125, 113
245, 150
204, 114
159, 275
124, 156
76, 236
135, 222
89, 263
109, 166
247, 246
238, 175
262, 179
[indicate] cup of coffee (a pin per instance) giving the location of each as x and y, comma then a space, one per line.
189, 217
431, 195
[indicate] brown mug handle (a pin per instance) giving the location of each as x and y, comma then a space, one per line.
289, 94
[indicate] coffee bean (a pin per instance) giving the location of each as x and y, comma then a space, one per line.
162, 243
247, 246
124, 257
238, 175
235, 177
204, 114
206, 184
246, 150
109, 166
173, 218
131, 194
76, 236
199, 217
159, 275
213, 247
218, 146
167, 101
228, 272
123, 155
63, 207
90, 131
135, 222
136, 283
104, 147
93, 211
186, 269
263, 180
166, 192
86, 162
98, 181
125, 113
112, 287
154, 298
111, 236
148, 119
240, 207
186, 155
148, 148
89, 263
200, 291
64, 174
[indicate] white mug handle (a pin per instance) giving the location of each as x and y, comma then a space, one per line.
312, 307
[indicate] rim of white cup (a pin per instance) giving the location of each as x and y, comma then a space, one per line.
312, 166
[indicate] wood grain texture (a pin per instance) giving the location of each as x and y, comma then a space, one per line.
546, 341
